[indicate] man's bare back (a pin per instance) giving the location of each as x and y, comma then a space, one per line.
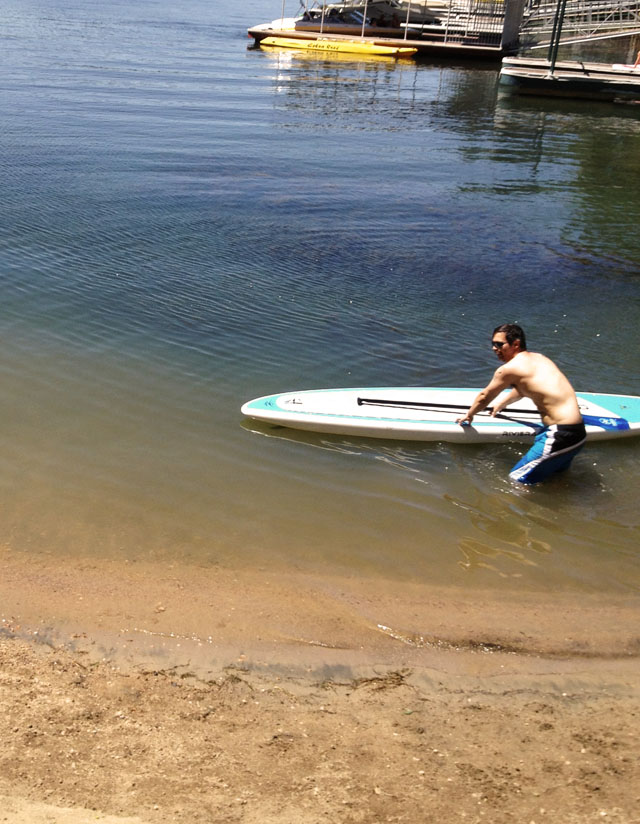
537, 377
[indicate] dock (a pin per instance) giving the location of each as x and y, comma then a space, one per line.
593, 81
472, 29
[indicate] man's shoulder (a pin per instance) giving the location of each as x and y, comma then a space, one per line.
537, 360
526, 361
520, 364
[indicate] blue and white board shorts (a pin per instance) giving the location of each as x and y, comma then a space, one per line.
553, 450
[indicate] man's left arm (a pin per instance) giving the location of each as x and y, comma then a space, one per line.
512, 397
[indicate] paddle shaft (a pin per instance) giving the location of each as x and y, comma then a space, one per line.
435, 406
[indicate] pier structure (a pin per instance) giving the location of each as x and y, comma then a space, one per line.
616, 82
582, 19
480, 29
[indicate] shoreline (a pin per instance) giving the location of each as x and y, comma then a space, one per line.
215, 616
302, 704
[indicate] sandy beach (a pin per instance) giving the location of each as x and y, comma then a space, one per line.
216, 695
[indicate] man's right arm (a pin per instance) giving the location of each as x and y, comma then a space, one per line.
499, 382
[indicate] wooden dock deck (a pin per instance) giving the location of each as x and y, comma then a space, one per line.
594, 81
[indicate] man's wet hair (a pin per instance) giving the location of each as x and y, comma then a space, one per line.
512, 333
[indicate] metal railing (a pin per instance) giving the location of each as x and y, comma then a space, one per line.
481, 22
502, 23
582, 18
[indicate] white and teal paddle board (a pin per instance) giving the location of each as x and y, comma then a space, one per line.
429, 414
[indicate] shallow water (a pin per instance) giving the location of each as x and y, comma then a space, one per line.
188, 223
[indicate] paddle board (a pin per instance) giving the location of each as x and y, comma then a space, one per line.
429, 414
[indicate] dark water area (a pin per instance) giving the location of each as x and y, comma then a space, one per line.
188, 222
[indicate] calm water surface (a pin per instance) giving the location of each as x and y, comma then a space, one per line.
187, 223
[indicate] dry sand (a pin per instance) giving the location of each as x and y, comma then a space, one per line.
135, 693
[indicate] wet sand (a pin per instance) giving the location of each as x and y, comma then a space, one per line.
133, 692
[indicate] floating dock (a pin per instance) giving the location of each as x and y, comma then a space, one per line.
593, 81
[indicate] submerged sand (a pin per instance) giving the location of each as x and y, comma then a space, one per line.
132, 692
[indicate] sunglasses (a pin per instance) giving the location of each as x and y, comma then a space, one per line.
498, 344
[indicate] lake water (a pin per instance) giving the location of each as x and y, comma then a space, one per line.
187, 223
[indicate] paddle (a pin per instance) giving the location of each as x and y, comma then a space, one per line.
434, 405
609, 422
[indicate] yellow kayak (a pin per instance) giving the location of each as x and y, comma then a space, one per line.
334, 46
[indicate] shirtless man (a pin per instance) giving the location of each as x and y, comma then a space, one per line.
532, 375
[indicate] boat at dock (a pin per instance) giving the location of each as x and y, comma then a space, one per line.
376, 18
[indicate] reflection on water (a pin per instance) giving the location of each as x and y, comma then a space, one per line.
188, 224
605, 211
377, 93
